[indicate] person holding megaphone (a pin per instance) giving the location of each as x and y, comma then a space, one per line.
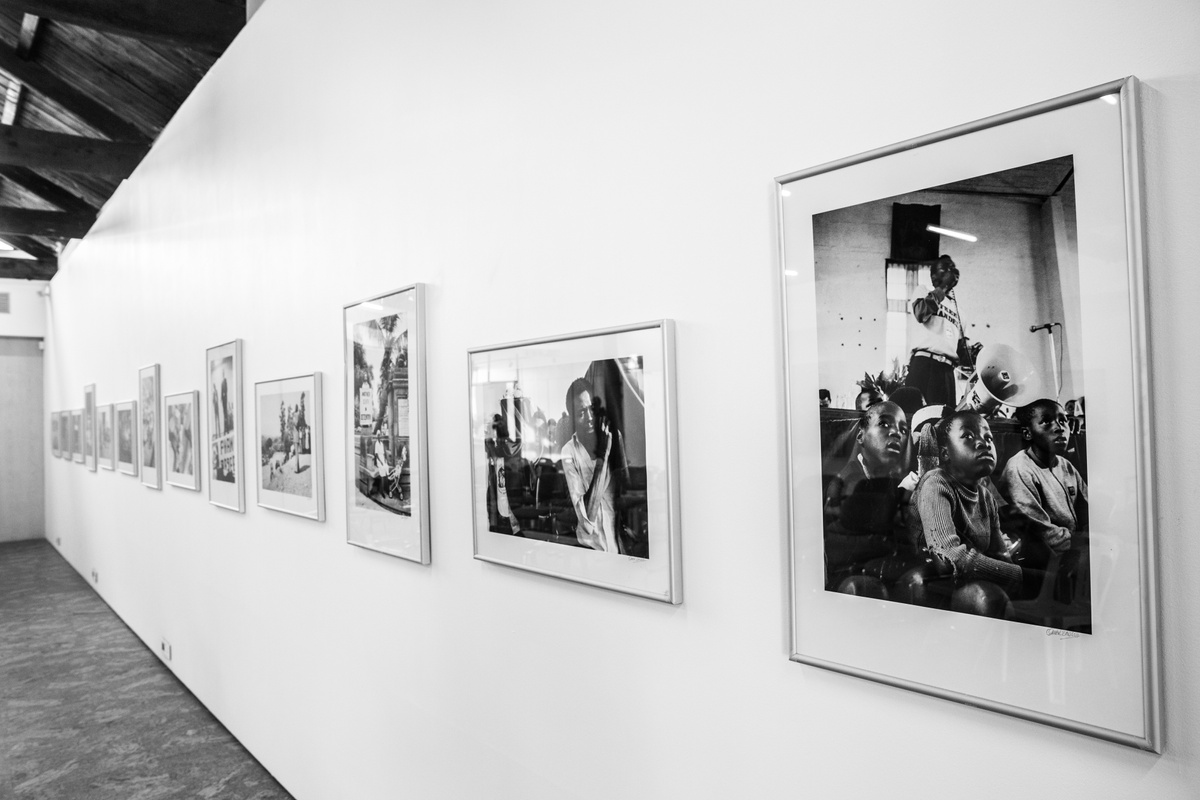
935, 333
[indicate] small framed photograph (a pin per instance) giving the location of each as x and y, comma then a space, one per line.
55, 447
64, 434
150, 426
291, 462
573, 458
387, 506
77, 435
105, 450
959, 526
125, 425
226, 468
183, 426
89, 426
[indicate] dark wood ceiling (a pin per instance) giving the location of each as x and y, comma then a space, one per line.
86, 86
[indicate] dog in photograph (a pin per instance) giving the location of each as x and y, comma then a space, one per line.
276, 463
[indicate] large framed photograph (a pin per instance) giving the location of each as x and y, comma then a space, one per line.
89, 426
573, 458
150, 426
970, 487
55, 447
183, 426
387, 467
226, 469
291, 461
76, 435
105, 448
125, 425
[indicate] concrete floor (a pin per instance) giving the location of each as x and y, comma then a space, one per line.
87, 712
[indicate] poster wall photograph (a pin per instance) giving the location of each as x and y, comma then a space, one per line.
573, 458
104, 436
970, 485
89, 426
125, 425
291, 463
223, 406
55, 447
387, 465
183, 427
150, 427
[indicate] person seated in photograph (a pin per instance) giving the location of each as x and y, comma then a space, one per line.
864, 502
955, 516
1048, 494
936, 336
587, 457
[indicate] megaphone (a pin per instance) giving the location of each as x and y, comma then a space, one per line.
1002, 375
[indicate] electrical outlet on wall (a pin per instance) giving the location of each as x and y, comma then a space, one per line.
164, 650
58, 541
95, 576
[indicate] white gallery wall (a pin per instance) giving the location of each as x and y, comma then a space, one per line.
545, 168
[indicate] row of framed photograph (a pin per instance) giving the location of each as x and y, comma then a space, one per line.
573, 438
115, 437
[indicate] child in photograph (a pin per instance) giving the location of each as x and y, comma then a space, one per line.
1048, 493
864, 500
955, 515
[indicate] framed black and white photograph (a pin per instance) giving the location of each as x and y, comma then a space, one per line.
183, 427
89, 426
64, 434
125, 427
105, 448
291, 461
573, 459
150, 427
77, 436
970, 486
55, 447
387, 494
226, 468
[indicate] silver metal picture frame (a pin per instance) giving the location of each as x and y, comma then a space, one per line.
125, 437
105, 446
387, 462
223, 408
181, 456
289, 432
89, 426
149, 451
573, 458
957, 525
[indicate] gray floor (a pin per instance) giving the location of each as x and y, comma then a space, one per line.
88, 712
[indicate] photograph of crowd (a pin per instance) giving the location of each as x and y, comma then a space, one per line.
565, 449
381, 414
953, 434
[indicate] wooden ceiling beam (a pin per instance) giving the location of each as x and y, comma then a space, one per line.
47, 189
24, 269
25, 147
33, 247
51, 224
207, 25
81, 105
